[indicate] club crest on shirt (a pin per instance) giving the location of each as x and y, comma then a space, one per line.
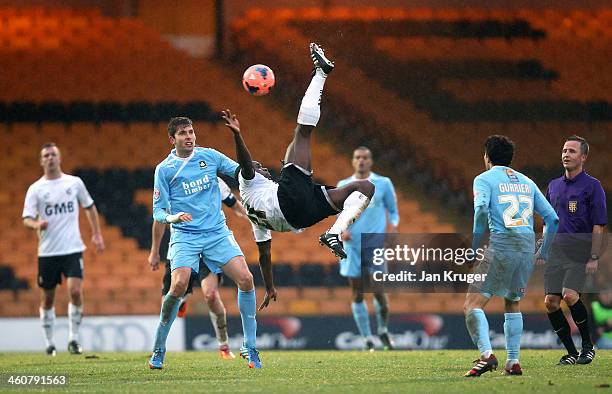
511, 175
68, 191
572, 206
203, 164
156, 194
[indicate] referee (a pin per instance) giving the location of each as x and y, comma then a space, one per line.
580, 202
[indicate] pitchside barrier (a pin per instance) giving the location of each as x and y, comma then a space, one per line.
135, 333
415, 263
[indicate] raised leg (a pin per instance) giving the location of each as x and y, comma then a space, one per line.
298, 151
340, 194
354, 199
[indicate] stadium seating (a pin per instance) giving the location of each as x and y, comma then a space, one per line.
432, 84
436, 81
90, 58
433, 74
106, 108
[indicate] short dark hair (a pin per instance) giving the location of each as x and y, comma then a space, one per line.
362, 147
584, 145
46, 145
49, 144
499, 149
175, 123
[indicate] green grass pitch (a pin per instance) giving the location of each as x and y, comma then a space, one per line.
313, 371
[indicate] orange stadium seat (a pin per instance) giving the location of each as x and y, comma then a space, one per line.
43, 42
579, 70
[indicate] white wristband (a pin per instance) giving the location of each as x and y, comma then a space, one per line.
174, 218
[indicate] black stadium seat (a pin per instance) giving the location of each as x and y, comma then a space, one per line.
311, 275
52, 111
80, 111
139, 111
22, 111
163, 111
109, 112
283, 274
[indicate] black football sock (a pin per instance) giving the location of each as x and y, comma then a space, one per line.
581, 318
562, 328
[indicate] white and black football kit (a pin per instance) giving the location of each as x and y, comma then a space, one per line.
294, 203
60, 248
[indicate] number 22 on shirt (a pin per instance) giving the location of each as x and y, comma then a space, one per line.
515, 203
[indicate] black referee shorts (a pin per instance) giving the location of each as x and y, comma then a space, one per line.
566, 268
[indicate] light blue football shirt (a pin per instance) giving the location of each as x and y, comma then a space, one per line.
511, 199
190, 185
374, 218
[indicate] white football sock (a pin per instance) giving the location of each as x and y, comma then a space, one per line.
75, 316
354, 205
310, 109
219, 322
47, 320
510, 363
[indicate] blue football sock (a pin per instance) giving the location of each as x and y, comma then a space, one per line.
382, 317
169, 309
478, 327
513, 328
247, 304
362, 318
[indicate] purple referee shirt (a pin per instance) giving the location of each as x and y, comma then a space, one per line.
579, 202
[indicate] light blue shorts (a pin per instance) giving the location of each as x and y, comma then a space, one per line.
350, 267
217, 247
507, 272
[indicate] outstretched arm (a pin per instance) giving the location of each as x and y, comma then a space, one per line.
265, 265
243, 156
